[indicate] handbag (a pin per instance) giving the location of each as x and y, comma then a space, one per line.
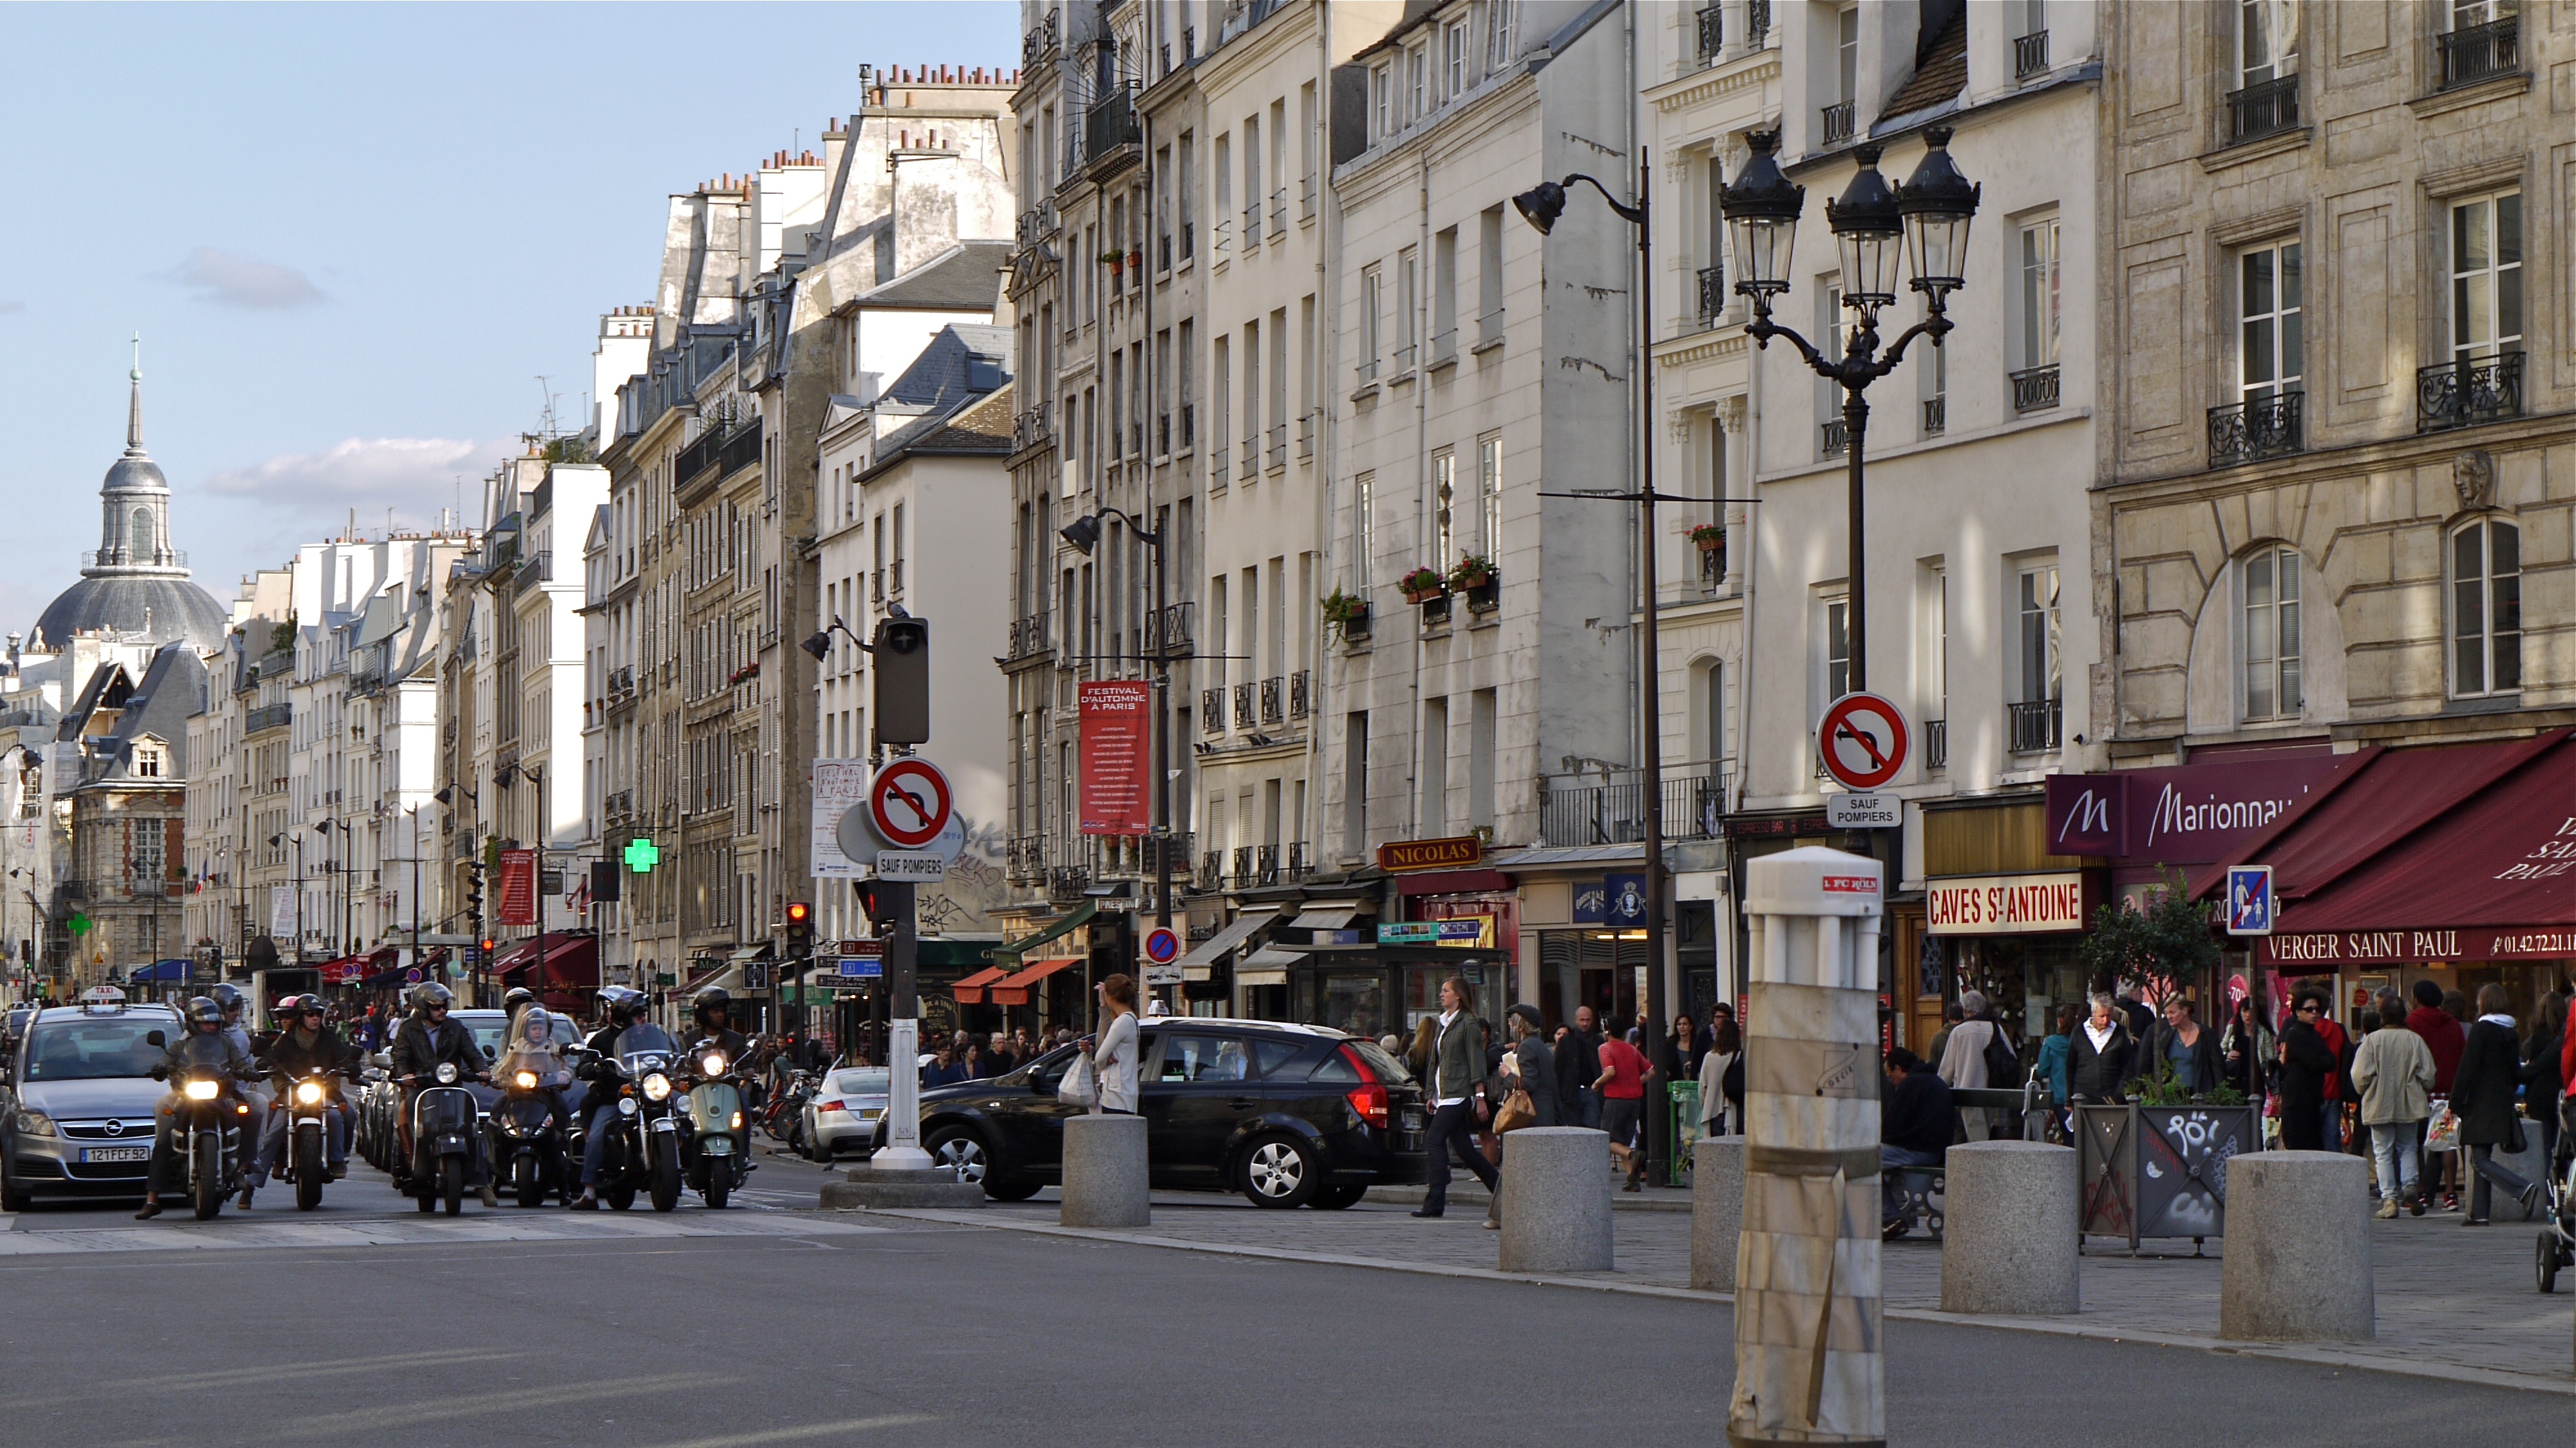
1081, 1084
1517, 1112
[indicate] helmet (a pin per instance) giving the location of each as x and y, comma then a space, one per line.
537, 1025
713, 1001
204, 1012
518, 996
227, 996
431, 993
621, 1003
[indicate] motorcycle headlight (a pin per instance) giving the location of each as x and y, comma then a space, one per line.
625, 1105
527, 1080
657, 1086
447, 1073
712, 1064
202, 1090
35, 1123
309, 1092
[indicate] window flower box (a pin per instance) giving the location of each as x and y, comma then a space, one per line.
1423, 585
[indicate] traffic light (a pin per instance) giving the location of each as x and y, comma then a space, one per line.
474, 891
800, 930
873, 904
901, 659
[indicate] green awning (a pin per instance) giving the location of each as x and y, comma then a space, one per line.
1010, 954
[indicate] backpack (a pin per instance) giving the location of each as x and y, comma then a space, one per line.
2003, 1065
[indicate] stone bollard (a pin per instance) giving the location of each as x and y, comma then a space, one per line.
1105, 1175
2009, 1221
2297, 1263
1556, 1200
1717, 1211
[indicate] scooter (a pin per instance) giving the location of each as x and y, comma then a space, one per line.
527, 1146
643, 1149
2557, 1245
442, 1143
309, 1102
212, 1120
715, 1142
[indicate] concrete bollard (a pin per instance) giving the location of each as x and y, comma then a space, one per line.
1717, 1211
1105, 1176
2297, 1264
1556, 1200
2008, 1238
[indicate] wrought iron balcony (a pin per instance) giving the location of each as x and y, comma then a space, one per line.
1936, 415
1252, 225
1838, 123
1306, 199
2265, 108
1110, 125
1251, 457
1305, 436
1168, 631
1279, 213
1300, 861
1936, 744
1301, 693
1279, 444
1712, 293
1242, 866
2260, 428
2474, 53
2030, 55
1029, 636
1211, 875
1609, 808
274, 716
1212, 711
1837, 438
1216, 467
1274, 702
1444, 347
1243, 705
2034, 389
2468, 391
1757, 21
1712, 34
2035, 726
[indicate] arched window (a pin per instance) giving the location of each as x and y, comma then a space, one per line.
140, 527
2269, 586
2486, 608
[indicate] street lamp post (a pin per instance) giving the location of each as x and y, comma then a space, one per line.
1084, 534
535, 775
1926, 218
1540, 206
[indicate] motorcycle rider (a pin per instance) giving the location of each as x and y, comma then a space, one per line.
516, 999
425, 1042
624, 1006
306, 1045
205, 1044
713, 1016
532, 1049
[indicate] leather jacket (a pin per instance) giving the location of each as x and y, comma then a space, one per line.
420, 1047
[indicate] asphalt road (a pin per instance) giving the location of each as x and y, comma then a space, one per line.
919, 1335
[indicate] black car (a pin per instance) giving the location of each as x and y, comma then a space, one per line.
1288, 1115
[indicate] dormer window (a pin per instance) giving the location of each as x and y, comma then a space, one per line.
150, 761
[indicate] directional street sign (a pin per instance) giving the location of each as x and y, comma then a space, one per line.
1863, 741
2249, 900
909, 803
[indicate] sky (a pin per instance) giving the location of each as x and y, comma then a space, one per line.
353, 238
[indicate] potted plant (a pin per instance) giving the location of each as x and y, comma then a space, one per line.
1116, 258
1475, 577
1346, 614
1136, 258
1423, 585
1708, 537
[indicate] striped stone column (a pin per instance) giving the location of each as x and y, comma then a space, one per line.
1808, 1358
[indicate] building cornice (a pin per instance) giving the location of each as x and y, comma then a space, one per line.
2408, 450
1700, 87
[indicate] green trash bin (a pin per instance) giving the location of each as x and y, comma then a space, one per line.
1686, 1132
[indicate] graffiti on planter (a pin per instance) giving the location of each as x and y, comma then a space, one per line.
2187, 1160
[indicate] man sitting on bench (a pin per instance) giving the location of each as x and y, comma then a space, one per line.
1916, 1123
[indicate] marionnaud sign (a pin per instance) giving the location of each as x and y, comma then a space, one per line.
2195, 814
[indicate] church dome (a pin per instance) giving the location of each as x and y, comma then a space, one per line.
137, 583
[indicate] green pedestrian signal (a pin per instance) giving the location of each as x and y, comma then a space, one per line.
642, 856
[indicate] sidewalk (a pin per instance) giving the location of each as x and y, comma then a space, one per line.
2453, 1304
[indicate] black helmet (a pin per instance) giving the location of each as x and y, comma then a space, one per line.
227, 996
621, 1004
430, 993
517, 996
204, 1012
712, 1001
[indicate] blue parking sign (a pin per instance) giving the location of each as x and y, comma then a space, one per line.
2249, 899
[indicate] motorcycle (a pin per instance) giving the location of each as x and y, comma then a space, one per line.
212, 1121
309, 1100
643, 1149
715, 1141
442, 1143
527, 1148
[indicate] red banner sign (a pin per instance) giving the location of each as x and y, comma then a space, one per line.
514, 895
1117, 762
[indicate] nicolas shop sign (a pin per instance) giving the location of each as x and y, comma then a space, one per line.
2190, 815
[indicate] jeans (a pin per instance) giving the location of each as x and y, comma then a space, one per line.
272, 1138
1587, 1108
2489, 1175
1891, 1194
2330, 1126
594, 1144
1455, 1124
2392, 1144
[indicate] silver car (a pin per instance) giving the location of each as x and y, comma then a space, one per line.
844, 1109
76, 1121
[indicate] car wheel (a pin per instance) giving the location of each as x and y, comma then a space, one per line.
958, 1149
1279, 1171
1011, 1189
1334, 1199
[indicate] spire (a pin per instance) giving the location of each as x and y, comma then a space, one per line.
134, 405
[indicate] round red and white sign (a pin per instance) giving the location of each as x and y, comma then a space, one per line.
909, 803
1863, 740
1162, 946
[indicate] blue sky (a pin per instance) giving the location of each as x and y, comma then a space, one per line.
353, 237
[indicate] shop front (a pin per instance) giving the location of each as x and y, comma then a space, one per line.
2002, 915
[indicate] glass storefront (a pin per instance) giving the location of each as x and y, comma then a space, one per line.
1603, 969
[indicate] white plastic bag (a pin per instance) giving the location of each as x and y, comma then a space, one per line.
1081, 1084
2444, 1132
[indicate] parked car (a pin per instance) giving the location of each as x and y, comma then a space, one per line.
1288, 1115
844, 1110
76, 1114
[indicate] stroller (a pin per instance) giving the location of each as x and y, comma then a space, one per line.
2557, 1245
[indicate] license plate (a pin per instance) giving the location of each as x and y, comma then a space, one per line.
870, 1115
115, 1153
719, 1145
1413, 1121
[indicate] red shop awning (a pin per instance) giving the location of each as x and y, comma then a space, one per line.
970, 991
572, 962
1014, 990
2424, 856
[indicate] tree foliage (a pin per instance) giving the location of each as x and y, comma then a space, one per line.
2154, 946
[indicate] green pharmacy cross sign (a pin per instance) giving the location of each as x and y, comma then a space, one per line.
78, 924
642, 856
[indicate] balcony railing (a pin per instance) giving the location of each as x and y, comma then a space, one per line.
1212, 711
2034, 389
1610, 808
1243, 705
1168, 631
2480, 52
1243, 858
1712, 293
1279, 444
1028, 636
1305, 436
1757, 21
1251, 457
1111, 124
1404, 357
2030, 55
1444, 347
2259, 428
1252, 225
1274, 701
1936, 744
1301, 693
275, 716
1936, 415
1712, 34
2035, 725
1279, 213
2468, 391
1364, 372
1837, 438
1300, 861
1306, 199
1489, 329
1216, 467
1838, 123
2265, 108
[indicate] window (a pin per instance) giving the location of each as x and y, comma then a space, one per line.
1408, 291
2040, 679
2270, 301
1489, 495
2271, 585
1489, 275
1847, 54
148, 761
1712, 713
2486, 608
1502, 41
1417, 83
1372, 284
1936, 642
1381, 102
1453, 59
2039, 293
1433, 807
1444, 294
1444, 497
2486, 276
1355, 781
2267, 40
1837, 648
1189, 197
1363, 532
1204, 1058
142, 531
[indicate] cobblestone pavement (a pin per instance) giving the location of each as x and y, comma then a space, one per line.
2450, 1301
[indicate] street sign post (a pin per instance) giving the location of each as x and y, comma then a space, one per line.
1162, 950
2249, 900
1863, 741
1875, 810
909, 804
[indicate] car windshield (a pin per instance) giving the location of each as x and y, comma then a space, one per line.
643, 1039
862, 1081
96, 1050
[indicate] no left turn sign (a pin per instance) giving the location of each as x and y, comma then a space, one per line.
1863, 740
909, 803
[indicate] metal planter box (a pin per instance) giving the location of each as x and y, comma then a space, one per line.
2159, 1171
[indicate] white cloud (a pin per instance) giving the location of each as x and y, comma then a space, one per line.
238, 281
415, 476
